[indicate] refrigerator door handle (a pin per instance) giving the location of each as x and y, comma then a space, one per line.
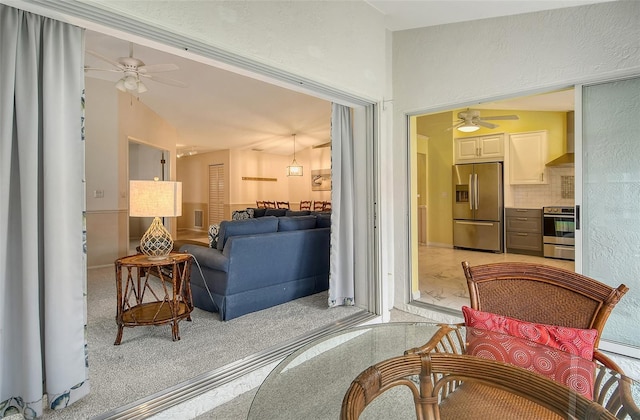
471, 192
474, 223
476, 192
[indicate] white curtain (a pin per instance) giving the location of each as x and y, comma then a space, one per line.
42, 259
341, 275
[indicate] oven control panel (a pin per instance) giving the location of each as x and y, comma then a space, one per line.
568, 211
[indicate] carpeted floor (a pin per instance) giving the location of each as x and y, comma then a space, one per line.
148, 361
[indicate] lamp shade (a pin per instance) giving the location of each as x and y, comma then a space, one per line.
155, 198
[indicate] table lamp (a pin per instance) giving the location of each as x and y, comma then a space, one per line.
155, 199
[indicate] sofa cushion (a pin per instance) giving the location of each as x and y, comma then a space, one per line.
323, 220
242, 214
275, 212
245, 227
214, 231
287, 223
258, 212
298, 213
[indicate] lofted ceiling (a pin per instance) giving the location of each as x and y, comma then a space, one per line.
221, 110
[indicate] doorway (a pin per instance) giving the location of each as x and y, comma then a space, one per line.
440, 282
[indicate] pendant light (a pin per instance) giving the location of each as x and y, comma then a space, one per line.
294, 169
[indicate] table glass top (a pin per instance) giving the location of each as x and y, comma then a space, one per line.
311, 382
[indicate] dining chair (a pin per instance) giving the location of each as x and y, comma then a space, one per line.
326, 206
440, 375
543, 294
318, 205
305, 205
270, 204
260, 204
283, 205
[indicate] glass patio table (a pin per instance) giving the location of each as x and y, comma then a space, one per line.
311, 382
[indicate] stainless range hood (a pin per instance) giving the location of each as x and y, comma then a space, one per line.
568, 158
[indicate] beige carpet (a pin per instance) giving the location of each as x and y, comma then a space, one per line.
148, 361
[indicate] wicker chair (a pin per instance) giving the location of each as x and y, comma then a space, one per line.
441, 374
543, 294
305, 205
612, 389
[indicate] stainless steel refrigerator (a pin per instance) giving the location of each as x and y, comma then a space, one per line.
478, 206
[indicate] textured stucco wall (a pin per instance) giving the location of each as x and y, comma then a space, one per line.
338, 43
455, 65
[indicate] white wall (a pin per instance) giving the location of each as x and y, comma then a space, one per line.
112, 119
106, 221
502, 57
339, 43
193, 172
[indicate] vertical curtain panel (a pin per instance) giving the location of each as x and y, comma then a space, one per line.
43, 360
341, 275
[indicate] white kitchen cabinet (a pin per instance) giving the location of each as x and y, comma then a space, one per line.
527, 157
479, 149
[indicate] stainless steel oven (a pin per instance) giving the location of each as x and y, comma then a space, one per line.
558, 230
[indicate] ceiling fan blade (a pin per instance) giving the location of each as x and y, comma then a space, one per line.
456, 125
485, 124
502, 117
99, 69
156, 68
166, 81
319, 146
105, 59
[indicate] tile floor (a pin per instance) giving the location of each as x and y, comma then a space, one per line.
442, 282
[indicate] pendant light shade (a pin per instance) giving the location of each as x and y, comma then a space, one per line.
294, 169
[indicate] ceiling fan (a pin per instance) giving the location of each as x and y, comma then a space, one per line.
134, 70
470, 120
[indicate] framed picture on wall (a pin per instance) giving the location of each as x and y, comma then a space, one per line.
321, 180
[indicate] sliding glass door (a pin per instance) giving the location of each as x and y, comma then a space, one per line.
610, 202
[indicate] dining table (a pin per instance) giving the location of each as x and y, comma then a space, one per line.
311, 382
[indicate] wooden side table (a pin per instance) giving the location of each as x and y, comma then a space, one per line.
155, 292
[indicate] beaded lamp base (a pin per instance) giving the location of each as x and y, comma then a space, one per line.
156, 243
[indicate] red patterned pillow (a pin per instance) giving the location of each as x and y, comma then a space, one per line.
572, 340
574, 372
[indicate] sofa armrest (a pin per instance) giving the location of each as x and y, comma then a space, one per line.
208, 257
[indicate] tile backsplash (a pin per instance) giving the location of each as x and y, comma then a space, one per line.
558, 192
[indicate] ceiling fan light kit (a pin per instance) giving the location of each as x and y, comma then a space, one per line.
470, 121
133, 69
468, 128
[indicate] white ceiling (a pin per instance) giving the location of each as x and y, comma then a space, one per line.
220, 110
409, 14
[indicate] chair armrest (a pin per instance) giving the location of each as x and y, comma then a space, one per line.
448, 339
612, 389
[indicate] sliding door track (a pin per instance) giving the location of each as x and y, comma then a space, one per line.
194, 387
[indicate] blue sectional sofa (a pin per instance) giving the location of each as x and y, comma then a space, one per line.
261, 262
